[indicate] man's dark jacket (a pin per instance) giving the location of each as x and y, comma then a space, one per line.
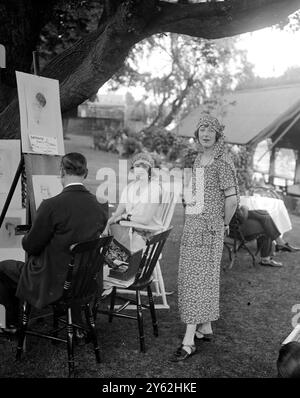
72, 216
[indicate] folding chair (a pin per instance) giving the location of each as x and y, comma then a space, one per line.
142, 280
79, 289
239, 241
168, 202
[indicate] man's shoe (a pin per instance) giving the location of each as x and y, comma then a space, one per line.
271, 263
81, 337
10, 333
286, 248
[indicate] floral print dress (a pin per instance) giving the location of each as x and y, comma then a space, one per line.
202, 240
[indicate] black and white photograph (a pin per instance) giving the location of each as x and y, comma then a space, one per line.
149, 193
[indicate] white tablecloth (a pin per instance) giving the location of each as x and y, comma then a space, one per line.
275, 207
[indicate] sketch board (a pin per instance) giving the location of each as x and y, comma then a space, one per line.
10, 155
45, 187
10, 243
39, 169
40, 115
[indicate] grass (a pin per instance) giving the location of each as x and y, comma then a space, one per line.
256, 315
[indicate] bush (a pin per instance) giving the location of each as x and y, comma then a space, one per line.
131, 146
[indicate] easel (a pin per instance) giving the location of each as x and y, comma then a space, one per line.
31, 164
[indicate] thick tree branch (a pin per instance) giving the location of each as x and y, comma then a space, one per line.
219, 19
86, 66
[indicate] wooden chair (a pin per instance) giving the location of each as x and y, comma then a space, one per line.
169, 199
142, 280
79, 289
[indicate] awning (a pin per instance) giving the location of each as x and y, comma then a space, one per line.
252, 115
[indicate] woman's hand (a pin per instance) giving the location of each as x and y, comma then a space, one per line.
226, 230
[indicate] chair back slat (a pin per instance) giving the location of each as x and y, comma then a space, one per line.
87, 261
168, 202
153, 250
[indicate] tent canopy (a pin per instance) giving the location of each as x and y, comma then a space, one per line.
253, 115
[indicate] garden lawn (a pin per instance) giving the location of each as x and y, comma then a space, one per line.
256, 315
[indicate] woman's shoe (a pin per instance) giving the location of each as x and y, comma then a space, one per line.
199, 336
185, 352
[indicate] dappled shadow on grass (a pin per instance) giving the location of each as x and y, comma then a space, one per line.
256, 314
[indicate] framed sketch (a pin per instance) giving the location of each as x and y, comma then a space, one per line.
40, 115
9, 159
10, 243
45, 187
8, 238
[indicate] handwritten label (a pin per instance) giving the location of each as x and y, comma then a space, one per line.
43, 145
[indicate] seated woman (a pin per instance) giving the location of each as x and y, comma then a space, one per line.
259, 223
139, 202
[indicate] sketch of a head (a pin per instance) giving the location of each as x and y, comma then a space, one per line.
39, 104
41, 100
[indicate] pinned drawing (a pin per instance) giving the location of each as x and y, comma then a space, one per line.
40, 115
9, 160
45, 187
8, 238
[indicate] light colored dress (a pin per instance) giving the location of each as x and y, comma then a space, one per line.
136, 198
202, 240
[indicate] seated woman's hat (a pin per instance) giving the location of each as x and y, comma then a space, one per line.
143, 158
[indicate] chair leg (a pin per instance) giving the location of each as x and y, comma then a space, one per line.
96, 306
140, 320
251, 254
55, 324
70, 342
90, 321
112, 303
152, 310
26, 308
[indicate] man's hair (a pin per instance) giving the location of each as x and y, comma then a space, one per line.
288, 362
74, 163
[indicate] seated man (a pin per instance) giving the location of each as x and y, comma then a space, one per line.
72, 216
259, 223
279, 214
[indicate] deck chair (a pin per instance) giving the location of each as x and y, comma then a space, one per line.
168, 202
140, 281
80, 288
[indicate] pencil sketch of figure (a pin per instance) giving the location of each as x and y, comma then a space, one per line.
45, 192
8, 237
38, 106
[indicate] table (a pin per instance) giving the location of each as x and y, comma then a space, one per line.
275, 207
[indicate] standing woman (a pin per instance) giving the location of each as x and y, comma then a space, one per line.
214, 201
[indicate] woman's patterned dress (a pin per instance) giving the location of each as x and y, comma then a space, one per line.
202, 240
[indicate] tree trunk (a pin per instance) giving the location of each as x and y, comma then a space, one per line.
85, 67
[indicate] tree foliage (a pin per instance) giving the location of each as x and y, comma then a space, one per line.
107, 30
193, 71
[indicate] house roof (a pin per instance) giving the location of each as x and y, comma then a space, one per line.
251, 115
